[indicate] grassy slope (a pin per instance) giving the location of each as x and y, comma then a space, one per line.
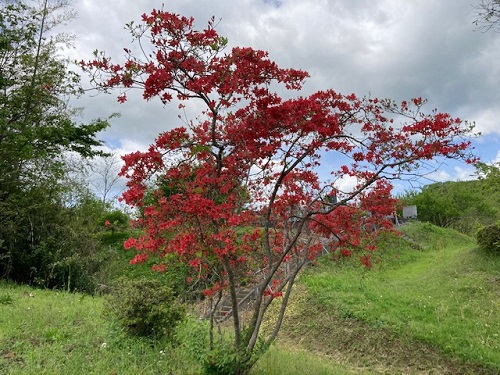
433, 309
437, 306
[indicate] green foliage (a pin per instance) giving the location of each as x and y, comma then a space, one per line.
6, 299
47, 221
192, 336
146, 308
44, 238
35, 122
489, 238
115, 217
464, 206
53, 243
176, 274
490, 174
222, 358
114, 220
225, 361
55, 332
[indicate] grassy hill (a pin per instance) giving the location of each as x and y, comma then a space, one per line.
431, 305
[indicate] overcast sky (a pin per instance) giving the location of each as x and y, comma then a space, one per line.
386, 48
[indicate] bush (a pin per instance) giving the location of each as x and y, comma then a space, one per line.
146, 308
489, 238
114, 221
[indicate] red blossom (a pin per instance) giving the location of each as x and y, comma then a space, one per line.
130, 243
122, 98
366, 260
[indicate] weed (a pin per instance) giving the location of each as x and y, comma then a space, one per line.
6, 299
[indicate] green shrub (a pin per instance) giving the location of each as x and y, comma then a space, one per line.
223, 361
114, 221
146, 307
489, 238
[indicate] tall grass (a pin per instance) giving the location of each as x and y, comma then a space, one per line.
53, 332
285, 360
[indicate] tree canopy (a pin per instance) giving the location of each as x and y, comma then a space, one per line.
462, 205
37, 131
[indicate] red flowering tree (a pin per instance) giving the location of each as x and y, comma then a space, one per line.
238, 196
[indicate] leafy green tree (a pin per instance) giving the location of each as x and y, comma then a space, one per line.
37, 130
114, 220
490, 173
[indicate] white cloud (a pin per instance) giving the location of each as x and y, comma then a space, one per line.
463, 174
439, 176
488, 120
456, 173
127, 146
346, 184
386, 48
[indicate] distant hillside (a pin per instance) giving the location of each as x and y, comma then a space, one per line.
463, 205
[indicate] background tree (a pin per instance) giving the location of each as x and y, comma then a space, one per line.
490, 173
249, 135
463, 205
104, 177
487, 15
36, 132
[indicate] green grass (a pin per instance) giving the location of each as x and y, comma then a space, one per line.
50, 332
286, 360
444, 293
433, 308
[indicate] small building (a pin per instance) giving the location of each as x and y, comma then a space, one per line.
409, 212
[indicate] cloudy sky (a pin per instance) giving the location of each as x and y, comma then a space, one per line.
386, 48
